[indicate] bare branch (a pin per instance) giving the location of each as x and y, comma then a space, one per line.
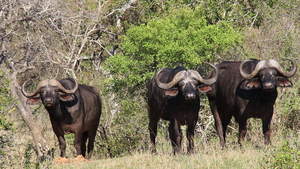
123, 9
98, 42
254, 19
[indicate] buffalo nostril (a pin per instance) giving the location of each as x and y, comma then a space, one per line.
48, 100
190, 96
268, 85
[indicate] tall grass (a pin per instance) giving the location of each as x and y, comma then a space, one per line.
210, 155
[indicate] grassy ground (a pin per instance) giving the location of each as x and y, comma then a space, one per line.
208, 156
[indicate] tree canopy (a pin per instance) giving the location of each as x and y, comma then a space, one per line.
183, 37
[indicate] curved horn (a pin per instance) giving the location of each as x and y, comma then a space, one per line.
259, 66
175, 80
210, 81
51, 82
282, 71
54, 82
28, 95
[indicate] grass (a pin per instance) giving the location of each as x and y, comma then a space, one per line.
209, 156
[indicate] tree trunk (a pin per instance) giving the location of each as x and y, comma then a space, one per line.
41, 147
40, 142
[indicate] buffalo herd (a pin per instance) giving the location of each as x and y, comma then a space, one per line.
241, 90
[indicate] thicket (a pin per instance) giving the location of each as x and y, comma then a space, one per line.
6, 124
118, 45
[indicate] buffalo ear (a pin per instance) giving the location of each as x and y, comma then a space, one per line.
33, 100
251, 84
284, 82
171, 92
66, 97
204, 88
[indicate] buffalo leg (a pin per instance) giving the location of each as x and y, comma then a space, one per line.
62, 145
83, 143
153, 131
225, 122
77, 141
91, 135
175, 136
266, 129
190, 136
242, 128
61, 139
218, 123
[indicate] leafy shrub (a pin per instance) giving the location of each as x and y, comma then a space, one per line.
287, 156
181, 38
6, 124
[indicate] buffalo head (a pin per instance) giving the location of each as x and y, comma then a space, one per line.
267, 74
187, 83
49, 92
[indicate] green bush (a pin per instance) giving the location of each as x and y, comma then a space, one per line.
6, 124
183, 37
287, 156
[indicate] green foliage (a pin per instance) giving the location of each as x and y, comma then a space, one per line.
5, 102
286, 156
5, 125
242, 14
181, 38
287, 108
4, 94
70, 139
128, 129
28, 156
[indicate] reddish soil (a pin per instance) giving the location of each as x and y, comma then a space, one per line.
64, 160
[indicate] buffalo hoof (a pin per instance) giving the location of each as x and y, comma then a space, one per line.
153, 151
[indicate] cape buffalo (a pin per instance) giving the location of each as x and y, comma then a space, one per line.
73, 108
173, 95
247, 90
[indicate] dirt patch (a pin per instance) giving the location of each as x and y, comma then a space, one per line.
64, 160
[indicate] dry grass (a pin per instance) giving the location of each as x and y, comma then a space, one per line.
208, 156
253, 153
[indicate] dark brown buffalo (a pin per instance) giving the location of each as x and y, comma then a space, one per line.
247, 90
173, 95
73, 108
